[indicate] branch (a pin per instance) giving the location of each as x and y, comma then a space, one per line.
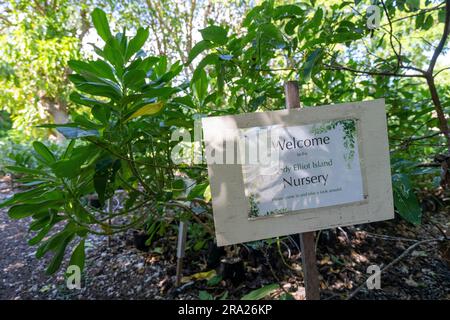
446, 68
443, 125
441, 44
391, 36
373, 73
439, 6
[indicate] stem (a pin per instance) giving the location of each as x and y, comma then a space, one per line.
443, 124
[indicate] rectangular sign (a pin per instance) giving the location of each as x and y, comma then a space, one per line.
292, 171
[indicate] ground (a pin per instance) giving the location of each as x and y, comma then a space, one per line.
115, 269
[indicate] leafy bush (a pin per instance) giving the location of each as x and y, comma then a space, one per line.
121, 141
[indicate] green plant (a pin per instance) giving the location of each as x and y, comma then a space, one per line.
119, 140
260, 293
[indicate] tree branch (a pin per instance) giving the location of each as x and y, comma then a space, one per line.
444, 37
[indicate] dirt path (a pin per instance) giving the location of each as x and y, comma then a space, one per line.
118, 271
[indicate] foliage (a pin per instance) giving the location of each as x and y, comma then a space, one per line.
39, 40
119, 140
336, 58
260, 293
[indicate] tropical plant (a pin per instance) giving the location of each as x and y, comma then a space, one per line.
119, 141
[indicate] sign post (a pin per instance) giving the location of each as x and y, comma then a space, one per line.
298, 170
307, 243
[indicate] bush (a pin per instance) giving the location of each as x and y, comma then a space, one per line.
119, 140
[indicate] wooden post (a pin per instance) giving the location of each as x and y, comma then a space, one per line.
181, 247
307, 244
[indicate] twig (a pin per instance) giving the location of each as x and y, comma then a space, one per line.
439, 6
444, 37
373, 73
266, 256
391, 37
446, 68
383, 237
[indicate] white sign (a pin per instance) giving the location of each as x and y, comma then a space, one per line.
317, 165
299, 170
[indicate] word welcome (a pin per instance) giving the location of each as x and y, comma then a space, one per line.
299, 143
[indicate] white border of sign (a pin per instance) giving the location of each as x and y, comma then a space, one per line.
230, 206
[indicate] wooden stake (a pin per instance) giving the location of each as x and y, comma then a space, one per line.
181, 247
307, 244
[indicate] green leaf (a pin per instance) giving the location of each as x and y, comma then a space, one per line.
69, 168
78, 255
56, 261
101, 24
203, 295
45, 154
419, 20
105, 172
428, 22
75, 133
25, 170
136, 43
286, 296
80, 66
197, 191
269, 32
215, 34
83, 122
134, 79
287, 10
25, 210
178, 185
309, 64
22, 196
405, 201
147, 63
207, 193
101, 113
441, 16
199, 48
346, 36
260, 293
413, 5
38, 238
210, 59
98, 89
214, 280
83, 100
103, 69
148, 109
201, 86
290, 26
114, 54
316, 20
251, 15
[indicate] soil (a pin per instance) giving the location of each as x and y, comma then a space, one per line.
116, 269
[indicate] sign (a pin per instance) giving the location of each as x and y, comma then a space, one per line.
292, 171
